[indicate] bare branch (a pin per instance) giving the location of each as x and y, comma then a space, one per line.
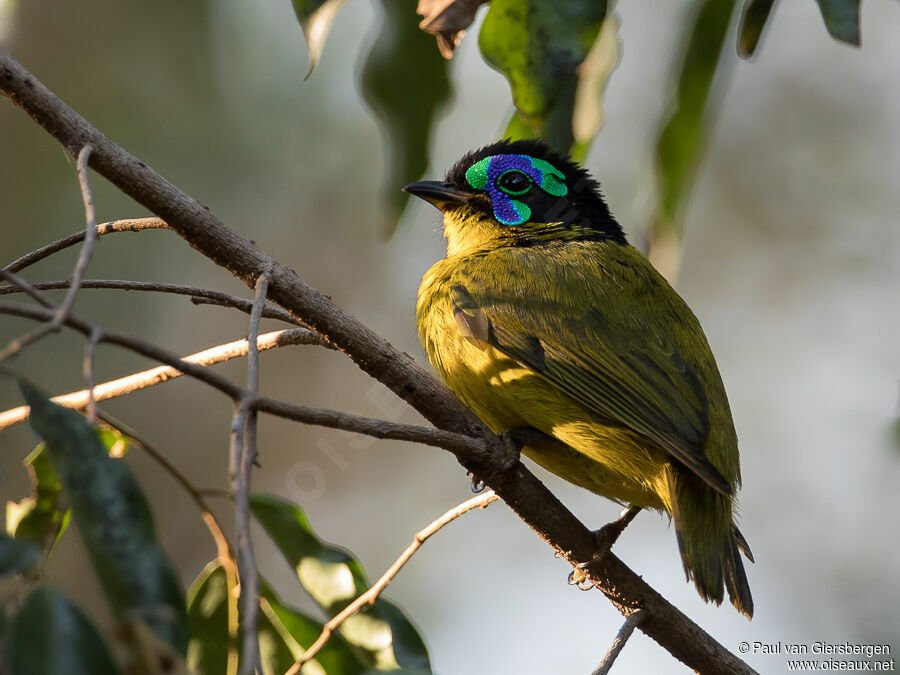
90, 346
133, 225
517, 486
198, 295
631, 622
375, 590
242, 456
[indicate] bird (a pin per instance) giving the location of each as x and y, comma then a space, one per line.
543, 318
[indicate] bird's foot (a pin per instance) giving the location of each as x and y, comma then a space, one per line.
513, 441
605, 537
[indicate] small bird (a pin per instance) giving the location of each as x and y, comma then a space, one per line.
542, 317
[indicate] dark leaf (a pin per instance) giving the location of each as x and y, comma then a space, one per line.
114, 521
51, 636
540, 45
401, 55
754, 18
841, 19
207, 611
316, 17
333, 577
683, 132
16, 555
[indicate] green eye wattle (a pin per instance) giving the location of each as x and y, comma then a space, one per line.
514, 182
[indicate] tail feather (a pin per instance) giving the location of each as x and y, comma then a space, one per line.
703, 517
736, 578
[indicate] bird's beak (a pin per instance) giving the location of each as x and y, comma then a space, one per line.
442, 195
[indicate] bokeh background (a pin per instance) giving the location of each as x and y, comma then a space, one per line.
791, 261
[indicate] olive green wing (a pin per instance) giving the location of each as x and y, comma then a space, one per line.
607, 352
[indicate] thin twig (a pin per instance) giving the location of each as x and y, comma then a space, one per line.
631, 622
242, 457
371, 595
223, 548
197, 295
84, 257
90, 346
159, 374
131, 225
20, 285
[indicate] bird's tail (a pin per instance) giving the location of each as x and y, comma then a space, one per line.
709, 541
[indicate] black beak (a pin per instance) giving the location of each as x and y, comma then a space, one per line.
442, 195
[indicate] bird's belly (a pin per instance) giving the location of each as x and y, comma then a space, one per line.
607, 459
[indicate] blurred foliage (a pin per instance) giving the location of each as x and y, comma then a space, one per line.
400, 55
333, 578
754, 18
683, 133
51, 636
540, 46
114, 521
316, 17
841, 19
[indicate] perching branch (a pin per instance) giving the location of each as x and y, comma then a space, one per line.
374, 591
517, 486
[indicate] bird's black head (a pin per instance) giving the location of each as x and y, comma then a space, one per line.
518, 193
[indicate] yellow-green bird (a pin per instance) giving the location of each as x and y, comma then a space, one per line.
543, 317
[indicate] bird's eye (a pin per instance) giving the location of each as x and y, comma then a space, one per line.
514, 182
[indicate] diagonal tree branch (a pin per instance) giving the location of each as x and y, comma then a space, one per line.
517, 486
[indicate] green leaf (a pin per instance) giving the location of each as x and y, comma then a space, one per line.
333, 577
51, 636
284, 632
316, 17
754, 18
682, 136
401, 55
207, 611
841, 19
114, 521
540, 45
299, 631
16, 555
40, 518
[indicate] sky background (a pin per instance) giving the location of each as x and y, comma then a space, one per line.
791, 263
